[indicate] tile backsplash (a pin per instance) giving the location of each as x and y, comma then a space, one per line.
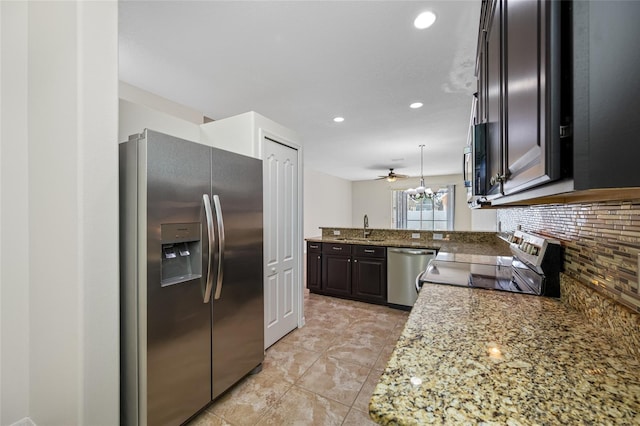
601, 241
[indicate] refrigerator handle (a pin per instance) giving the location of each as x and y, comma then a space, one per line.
221, 244
209, 283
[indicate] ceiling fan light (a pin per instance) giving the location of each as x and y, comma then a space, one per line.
391, 178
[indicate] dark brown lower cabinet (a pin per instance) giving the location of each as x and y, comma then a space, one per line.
314, 267
369, 279
349, 271
336, 275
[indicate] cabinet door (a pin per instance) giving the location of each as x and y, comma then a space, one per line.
369, 279
494, 90
336, 275
314, 272
532, 128
607, 94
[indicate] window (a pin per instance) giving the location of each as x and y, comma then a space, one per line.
434, 213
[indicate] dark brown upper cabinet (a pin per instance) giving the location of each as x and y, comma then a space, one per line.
558, 100
532, 86
519, 85
606, 65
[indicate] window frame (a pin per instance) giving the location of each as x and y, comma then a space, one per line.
400, 210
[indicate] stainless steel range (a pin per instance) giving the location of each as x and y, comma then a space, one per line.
534, 267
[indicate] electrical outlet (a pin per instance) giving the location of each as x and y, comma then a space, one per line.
415, 235
336, 232
437, 236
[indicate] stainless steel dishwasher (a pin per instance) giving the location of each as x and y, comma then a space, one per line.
404, 264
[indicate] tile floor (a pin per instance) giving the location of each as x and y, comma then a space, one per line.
321, 374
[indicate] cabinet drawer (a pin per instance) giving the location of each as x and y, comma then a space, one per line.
369, 251
314, 247
336, 248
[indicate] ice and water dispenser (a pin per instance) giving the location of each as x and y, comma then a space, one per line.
181, 252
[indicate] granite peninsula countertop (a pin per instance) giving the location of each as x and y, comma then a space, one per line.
475, 356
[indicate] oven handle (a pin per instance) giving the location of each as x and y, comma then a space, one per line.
419, 282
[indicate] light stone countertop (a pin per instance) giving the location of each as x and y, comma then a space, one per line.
475, 356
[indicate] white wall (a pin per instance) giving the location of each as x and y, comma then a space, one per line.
14, 207
243, 134
374, 198
484, 220
60, 144
139, 96
135, 117
235, 134
327, 202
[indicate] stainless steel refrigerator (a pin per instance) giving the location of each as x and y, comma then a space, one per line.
192, 320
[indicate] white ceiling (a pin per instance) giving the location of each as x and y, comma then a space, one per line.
301, 63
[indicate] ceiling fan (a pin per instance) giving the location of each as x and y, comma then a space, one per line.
392, 176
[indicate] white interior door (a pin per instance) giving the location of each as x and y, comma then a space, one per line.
281, 285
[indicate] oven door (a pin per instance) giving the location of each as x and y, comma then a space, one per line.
527, 280
450, 273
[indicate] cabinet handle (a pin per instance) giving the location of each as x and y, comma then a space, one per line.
369, 251
355, 260
312, 246
349, 260
318, 257
337, 248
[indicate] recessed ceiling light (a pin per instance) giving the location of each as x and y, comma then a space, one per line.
416, 105
424, 20
338, 119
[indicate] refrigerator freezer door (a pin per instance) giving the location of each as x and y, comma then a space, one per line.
178, 361
238, 313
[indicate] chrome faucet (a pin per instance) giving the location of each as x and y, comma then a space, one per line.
366, 225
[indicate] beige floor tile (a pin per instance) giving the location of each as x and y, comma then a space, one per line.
208, 419
291, 360
362, 401
358, 418
362, 351
335, 379
248, 400
395, 334
385, 355
302, 408
370, 328
315, 338
328, 320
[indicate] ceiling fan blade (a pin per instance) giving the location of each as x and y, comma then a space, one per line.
392, 176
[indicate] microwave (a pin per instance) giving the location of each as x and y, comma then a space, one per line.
476, 166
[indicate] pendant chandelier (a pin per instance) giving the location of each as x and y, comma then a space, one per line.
420, 193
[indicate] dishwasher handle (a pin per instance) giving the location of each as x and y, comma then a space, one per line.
421, 252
